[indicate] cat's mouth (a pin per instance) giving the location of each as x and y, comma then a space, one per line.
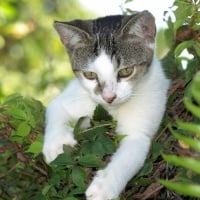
113, 101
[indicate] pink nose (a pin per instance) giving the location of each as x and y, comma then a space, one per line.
109, 99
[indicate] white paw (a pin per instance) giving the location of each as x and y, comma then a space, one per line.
53, 146
102, 187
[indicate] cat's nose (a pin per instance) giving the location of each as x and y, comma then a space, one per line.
109, 99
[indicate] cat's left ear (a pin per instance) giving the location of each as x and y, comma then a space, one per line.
70, 35
141, 24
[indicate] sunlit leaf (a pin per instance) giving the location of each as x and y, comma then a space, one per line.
194, 143
182, 46
35, 147
23, 129
189, 189
17, 113
186, 162
184, 9
195, 110
189, 126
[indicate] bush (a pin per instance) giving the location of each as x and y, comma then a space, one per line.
187, 181
24, 174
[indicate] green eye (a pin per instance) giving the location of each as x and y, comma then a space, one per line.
90, 75
125, 72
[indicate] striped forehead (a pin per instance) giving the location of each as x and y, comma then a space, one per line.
102, 65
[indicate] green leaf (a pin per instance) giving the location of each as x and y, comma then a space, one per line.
77, 128
12, 99
17, 113
189, 189
46, 189
186, 162
71, 198
86, 148
38, 197
107, 144
147, 168
90, 160
98, 149
182, 13
127, 1
182, 46
64, 158
156, 150
23, 129
194, 143
189, 126
101, 114
94, 132
35, 147
119, 138
78, 190
196, 47
79, 176
163, 45
195, 88
195, 110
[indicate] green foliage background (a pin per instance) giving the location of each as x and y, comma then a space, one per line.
33, 61
33, 64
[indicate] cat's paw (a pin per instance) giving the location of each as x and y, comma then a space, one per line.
102, 187
53, 146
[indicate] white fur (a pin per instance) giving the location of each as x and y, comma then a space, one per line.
103, 66
138, 110
106, 74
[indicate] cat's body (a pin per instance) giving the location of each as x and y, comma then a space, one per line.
113, 60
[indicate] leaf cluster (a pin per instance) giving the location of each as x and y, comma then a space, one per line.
181, 38
187, 133
22, 127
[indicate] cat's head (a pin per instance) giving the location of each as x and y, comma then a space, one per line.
110, 55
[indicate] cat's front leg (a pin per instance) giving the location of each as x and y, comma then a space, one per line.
129, 158
68, 107
57, 131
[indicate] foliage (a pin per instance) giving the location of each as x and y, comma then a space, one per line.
181, 35
188, 133
21, 134
181, 38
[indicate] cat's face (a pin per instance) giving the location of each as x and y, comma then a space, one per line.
110, 55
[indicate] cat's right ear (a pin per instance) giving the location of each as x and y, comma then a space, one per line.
141, 24
70, 35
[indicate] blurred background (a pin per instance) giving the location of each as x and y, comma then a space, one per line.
33, 61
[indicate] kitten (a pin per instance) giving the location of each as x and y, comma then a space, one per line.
114, 64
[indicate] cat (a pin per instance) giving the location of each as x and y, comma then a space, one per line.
114, 65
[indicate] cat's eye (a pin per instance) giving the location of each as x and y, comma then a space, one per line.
125, 72
90, 75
